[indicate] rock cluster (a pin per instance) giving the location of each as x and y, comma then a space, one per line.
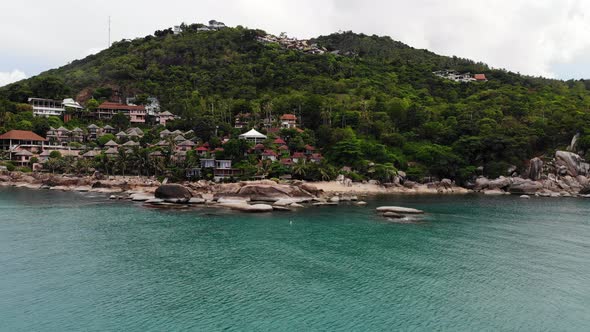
566, 175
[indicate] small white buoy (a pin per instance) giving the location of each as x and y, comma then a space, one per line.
291, 222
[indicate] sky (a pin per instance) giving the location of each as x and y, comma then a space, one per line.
547, 38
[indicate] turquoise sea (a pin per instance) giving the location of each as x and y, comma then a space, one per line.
79, 262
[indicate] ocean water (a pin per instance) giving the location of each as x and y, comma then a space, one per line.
79, 262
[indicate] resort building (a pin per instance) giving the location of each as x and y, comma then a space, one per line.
51, 107
288, 121
20, 139
162, 118
223, 170
46, 107
106, 110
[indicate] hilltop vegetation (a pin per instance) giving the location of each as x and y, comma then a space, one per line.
374, 106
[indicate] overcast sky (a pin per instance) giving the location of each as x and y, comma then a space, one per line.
536, 37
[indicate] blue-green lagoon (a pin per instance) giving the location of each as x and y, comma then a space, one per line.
79, 262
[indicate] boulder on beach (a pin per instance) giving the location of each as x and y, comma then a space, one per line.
173, 191
399, 209
535, 170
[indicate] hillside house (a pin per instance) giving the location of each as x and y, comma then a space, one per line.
288, 121
46, 107
162, 118
106, 110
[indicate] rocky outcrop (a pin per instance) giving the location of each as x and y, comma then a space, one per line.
585, 191
267, 191
535, 170
245, 207
173, 192
525, 187
572, 163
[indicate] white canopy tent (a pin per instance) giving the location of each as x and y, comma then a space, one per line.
253, 136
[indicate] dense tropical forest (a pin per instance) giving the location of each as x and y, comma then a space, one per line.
369, 103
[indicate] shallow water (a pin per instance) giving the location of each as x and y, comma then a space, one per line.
72, 261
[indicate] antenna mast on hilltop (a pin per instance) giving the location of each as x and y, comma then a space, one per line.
109, 32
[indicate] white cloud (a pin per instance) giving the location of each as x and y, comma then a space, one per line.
528, 36
10, 77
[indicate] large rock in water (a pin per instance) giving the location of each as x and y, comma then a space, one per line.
173, 191
535, 169
398, 209
574, 164
525, 188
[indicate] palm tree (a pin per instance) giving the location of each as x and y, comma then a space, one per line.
299, 169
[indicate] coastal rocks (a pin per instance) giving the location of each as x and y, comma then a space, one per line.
526, 187
585, 190
245, 207
535, 170
393, 215
574, 164
286, 201
140, 197
481, 183
493, 192
310, 188
174, 192
446, 183
500, 183
62, 181
267, 191
196, 200
399, 209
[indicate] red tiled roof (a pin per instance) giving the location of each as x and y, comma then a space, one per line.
283, 147
269, 153
289, 117
259, 146
116, 106
286, 161
279, 141
480, 77
298, 155
202, 148
309, 147
23, 135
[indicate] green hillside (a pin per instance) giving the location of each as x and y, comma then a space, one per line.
373, 105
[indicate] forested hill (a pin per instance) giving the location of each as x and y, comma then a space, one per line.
368, 100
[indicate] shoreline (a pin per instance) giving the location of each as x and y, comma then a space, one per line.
254, 196
142, 184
